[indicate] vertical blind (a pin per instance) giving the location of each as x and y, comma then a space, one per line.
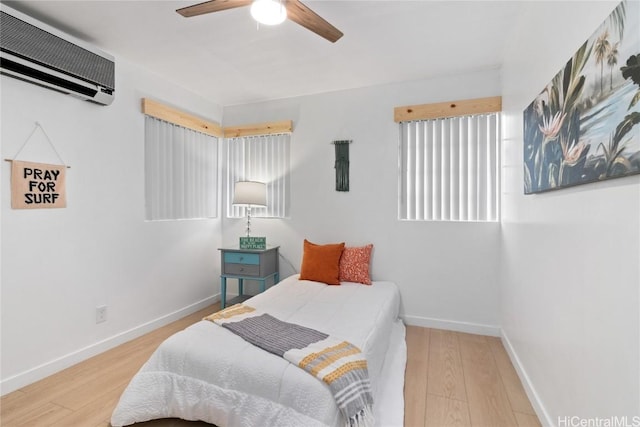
180, 172
449, 169
263, 158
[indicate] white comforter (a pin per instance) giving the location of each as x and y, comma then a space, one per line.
207, 373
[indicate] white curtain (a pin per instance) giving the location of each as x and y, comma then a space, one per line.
263, 158
449, 169
180, 172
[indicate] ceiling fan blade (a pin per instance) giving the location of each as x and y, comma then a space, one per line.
301, 14
211, 6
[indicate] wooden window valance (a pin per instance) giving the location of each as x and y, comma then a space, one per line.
181, 118
270, 128
187, 120
448, 109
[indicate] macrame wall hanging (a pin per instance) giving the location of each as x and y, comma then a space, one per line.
342, 165
38, 185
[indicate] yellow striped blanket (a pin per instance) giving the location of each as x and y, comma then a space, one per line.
338, 363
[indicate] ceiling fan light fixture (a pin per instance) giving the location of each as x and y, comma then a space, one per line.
268, 12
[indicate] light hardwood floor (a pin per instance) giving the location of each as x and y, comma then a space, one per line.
452, 379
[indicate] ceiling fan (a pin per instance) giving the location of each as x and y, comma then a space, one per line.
282, 9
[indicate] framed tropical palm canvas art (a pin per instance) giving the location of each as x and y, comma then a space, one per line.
585, 125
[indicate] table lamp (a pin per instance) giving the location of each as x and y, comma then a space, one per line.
249, 193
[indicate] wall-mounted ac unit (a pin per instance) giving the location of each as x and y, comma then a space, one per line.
38, 53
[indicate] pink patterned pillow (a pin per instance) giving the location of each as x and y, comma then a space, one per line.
354, 264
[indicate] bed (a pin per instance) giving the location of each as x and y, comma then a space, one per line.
207, 373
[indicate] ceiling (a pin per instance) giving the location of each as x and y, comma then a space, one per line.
229, 59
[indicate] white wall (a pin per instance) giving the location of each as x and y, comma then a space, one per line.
59, 264
447, 272
571, 258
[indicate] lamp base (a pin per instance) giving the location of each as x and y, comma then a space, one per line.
253, 243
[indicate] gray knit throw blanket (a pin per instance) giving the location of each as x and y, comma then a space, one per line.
338, 363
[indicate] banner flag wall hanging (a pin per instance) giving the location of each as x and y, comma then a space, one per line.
37, 185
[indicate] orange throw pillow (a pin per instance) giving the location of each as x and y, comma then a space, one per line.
321, 263
354, 264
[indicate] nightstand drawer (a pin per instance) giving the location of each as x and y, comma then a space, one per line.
241, 258
241, 269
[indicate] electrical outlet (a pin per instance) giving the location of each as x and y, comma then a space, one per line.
101, 314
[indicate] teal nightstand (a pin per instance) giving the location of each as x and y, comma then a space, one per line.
247, 264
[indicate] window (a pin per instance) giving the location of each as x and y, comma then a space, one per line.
263, 158
180, 172
449, 168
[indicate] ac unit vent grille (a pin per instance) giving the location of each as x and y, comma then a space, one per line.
35, 44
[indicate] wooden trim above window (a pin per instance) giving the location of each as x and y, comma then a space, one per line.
187, 120
270, 128
441, 110
181, 118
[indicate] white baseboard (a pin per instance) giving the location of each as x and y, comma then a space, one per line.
42, 371
533, 396
452, 325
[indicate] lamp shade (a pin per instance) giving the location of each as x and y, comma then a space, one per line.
250, 193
